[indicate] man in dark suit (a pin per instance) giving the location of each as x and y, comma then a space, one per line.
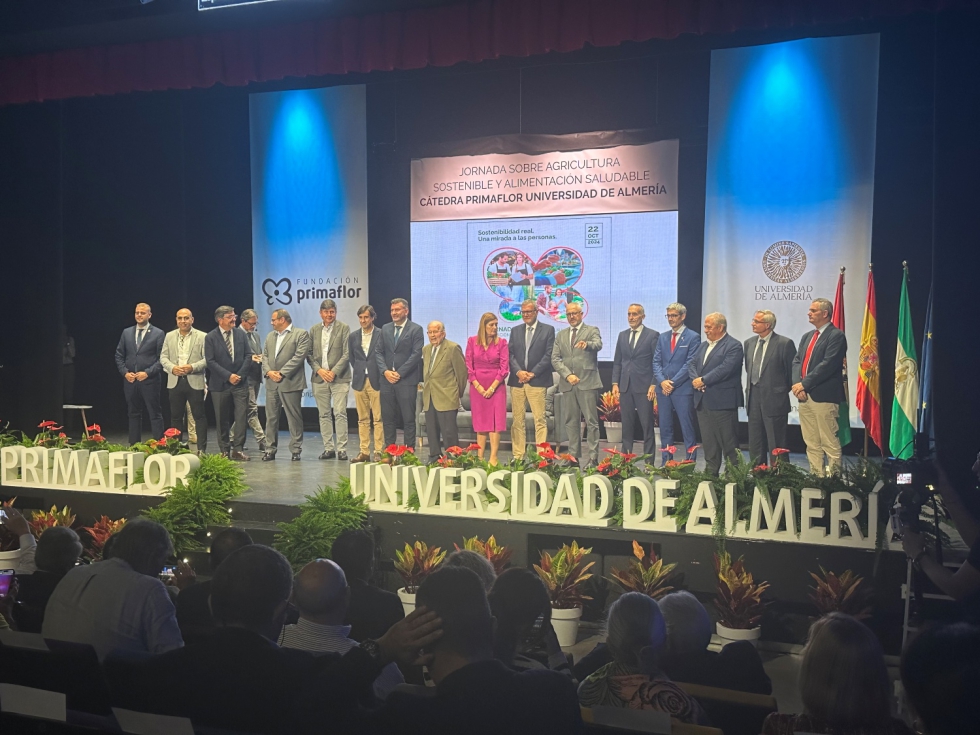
366, 382
632, 378
530, 375
671, 366
229, 357
716, 377
138, 361
399, 359
769, 374
253, 375
818, 384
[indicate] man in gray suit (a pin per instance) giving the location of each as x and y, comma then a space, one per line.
330, 360
182, 359
253, 376
443, 382
769, 369
283, 364
575, 358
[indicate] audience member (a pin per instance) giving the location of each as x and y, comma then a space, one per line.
521, 607
940, 670
238, 678
476, 563
321, 594
843, 684
636, 638
371, 611
15, 523
476, 694
193, 612
57, 553
119, 604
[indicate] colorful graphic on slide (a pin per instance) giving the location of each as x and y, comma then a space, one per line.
514, 277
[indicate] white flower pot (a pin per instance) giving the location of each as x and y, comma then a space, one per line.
614, 432
9, 559
738, 634
408, 601
565, 623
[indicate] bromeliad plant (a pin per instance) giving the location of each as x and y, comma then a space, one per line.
99, 532
609, 410
399, 454
42, 520
563, 575
416, 563
647, 574
497, 555
840, 594
739, 601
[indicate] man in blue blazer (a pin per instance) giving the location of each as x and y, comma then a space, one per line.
399, 359
716, 377
229, 359
138, 361
366, 382
632, 378
530, 375
675, 396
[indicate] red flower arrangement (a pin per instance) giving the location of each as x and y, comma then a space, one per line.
399, 454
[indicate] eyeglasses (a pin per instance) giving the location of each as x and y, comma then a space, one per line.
529, 311
672, 316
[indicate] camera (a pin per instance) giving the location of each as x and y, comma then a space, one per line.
913, 479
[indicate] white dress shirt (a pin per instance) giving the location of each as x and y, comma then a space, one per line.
281, 336
711, 346
325, 345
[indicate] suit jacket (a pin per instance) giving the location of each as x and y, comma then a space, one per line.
675, 365
538, 357
255, 368
633, 367
776, 375
145, 359
361, 363
338, 352
220, 365
445, 384
721, 373
405, 358
824, 381
291, 360
170, 355
572, 361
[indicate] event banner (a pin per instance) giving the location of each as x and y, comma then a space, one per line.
790, 183
309, 205
597, 227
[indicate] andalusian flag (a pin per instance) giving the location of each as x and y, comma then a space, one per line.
868, 390
905, 405
844, 412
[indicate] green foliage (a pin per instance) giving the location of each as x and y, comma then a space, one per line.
563, 575
417, 562
645, 574
322, 518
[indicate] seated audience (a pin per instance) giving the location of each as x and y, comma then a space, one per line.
521, 606
636, 637
119, 604
371, 611
193, 613
57, 553
843, 684
476, 563
14, 523
940, 671
320, 593
237, 678
476, 694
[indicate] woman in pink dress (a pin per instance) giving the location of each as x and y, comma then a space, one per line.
487, 361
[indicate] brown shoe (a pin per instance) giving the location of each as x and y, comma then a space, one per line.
362, 457
239, 457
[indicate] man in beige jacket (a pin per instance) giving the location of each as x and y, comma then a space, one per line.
443, 383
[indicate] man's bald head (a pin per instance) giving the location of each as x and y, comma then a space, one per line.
320, 592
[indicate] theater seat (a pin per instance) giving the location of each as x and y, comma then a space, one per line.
612, 720
739, 713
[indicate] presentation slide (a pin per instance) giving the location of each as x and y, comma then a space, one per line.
592, 253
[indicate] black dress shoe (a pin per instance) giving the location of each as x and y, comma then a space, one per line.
239, 457
342, 456
268, 457
328, 455
295, 458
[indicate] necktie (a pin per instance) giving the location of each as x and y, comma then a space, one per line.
633, 339
574, 333
809, 351
432, 360
139, 337
398, 333
228, 344
527, 345
673, 341
757, 361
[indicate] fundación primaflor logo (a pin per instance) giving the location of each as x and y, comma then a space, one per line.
783, 263
277, 291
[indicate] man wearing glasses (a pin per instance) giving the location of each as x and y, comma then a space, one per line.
253, 375
531, 344
675, 396
769, 369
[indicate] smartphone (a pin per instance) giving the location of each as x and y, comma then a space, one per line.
3, 514
6, 577
168, 573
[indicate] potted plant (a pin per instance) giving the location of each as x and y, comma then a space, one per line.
840, 594
99, 532
739, 601
42, 520
415, 563
610, 414
497, 555
646, 574
563, 574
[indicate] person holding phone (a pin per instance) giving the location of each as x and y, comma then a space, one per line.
12, 520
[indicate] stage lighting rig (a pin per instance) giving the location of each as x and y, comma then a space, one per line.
215, 4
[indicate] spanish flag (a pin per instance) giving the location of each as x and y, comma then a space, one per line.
868, 391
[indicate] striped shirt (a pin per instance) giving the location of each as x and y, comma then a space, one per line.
317, 638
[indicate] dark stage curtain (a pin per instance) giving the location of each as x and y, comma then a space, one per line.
441, 36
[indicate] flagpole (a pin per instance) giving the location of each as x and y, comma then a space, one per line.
866, 428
